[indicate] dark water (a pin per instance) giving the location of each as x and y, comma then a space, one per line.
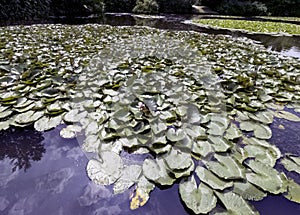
42, 173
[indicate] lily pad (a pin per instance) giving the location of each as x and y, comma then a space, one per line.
107, 170
200, 198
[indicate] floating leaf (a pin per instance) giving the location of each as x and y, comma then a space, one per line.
106, 171
144, 187
45, 123
211, 179
199, 199
70, 131
293, 191
287, 115
175, 134
226, 167
291, 163
262, 131
248, 191
265, 177
28, 117
177, 160
156, 170
235, 204
129, 176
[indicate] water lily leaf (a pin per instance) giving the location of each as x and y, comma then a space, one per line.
265, 177
184, 172
175, 135
248, 191
262, 131
293, 191
129, 176
91, 143
265, 155
202, 148
248, 125
235, 204
144, 187
287, 115
219, 144
199, 199
233, 132
216, 129
122, 115
195, 131
45, 123
178, 160
291, 163
4, 125
265, 117
70, 131
158, 126
74, 116
211, 179
156, 170
226, 167
107, 171
5, 114
28, 117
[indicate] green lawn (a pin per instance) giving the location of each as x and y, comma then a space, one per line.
252, 26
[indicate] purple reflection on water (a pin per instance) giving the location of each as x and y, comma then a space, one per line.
58, 184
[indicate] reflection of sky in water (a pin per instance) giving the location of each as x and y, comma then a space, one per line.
292, 52
57, 184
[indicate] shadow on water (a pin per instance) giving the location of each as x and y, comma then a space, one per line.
21, 147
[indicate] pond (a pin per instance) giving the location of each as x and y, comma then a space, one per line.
42, 171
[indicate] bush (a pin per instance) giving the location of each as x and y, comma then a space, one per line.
175, 6
119, 6
146, 6
242, 8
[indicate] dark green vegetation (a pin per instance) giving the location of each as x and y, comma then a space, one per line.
255, 7
41, 9
186, 104
252, 26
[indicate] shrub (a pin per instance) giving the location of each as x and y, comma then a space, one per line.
146, 6
244, 8
175, 6
119, 6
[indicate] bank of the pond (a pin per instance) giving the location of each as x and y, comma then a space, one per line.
251, 26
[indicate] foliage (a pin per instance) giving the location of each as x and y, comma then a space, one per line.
239, 7
175, 6
146, 6
252, 26
119, 6
161, 105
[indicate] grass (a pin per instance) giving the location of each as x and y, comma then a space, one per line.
252, 26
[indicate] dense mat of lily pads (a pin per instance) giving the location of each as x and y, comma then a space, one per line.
252, 26
157, 108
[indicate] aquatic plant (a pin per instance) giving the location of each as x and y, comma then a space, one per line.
252, 26
182, 105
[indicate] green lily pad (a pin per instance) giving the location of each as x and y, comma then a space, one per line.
107, 170
235, 204
291, 163
156, 170
178, 160
200, 199
70, 131
262, 132
45, 123
226, 167
129, 176
211, 179
265, 177
175, 135
28, 117
248, 191
293, 191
